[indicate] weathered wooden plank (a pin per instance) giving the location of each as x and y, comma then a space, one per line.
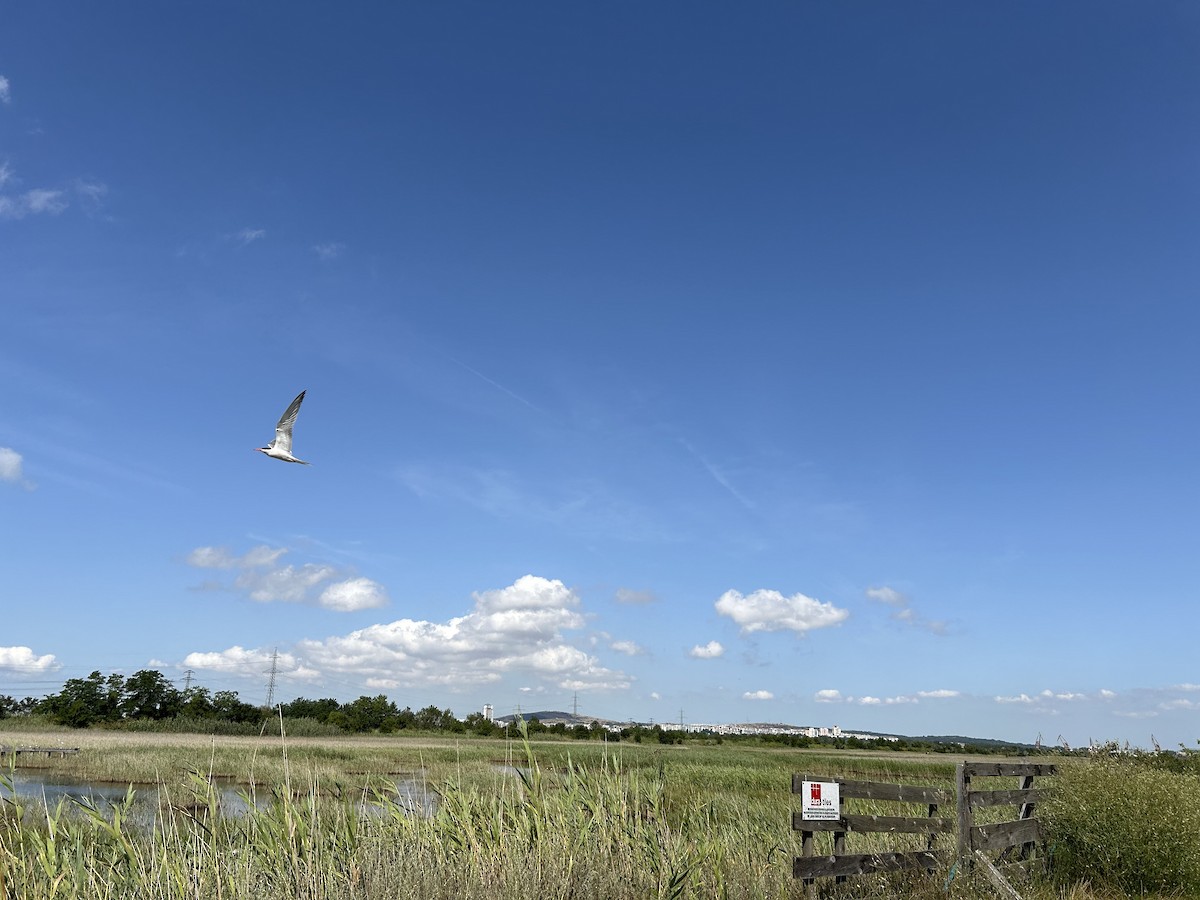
878, 790
1004, 798
864, 863
1003, 769
875, 824
1004, 834
999, 882
49, 751
962, 784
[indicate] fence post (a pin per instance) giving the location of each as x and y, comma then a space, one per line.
962, 780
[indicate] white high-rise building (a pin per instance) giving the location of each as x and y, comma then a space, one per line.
487, 711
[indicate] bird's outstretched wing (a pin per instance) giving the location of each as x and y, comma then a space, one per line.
283, 431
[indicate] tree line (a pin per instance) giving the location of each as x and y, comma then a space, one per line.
148, 698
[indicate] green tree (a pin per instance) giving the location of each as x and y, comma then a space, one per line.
301, 708
196, 702
371, 714
226, 705
149, 695
84, 701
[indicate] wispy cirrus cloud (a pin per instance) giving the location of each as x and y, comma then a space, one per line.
902, 610
248, 236
262, 578
329, 250
17, 204
635, 598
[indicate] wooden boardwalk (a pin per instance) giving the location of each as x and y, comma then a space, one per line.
37, 751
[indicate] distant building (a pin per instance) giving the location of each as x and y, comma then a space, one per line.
487, 712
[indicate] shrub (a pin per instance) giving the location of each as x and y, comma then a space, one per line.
1117, 822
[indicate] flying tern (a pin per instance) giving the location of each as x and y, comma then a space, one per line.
281, 447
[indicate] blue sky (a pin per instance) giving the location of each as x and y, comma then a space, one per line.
805, 364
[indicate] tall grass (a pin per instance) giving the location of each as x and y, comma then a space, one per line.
574, 821
1128, 823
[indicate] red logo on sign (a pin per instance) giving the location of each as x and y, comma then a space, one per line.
814, 791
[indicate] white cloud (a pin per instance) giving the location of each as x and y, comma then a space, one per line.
887, 595
239, 661
21, 659
1020, 698
828, 695
33, 202
12, 468
635, 598
5, 91
515, 631
262, 579
248, 236
940, 694
758, 695
869, 701
353, 594
711, 650
765, 610
629, 648
903, 611
330, 250
10, 465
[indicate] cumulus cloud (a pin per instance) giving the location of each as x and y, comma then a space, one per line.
1019, 698
240, 661
765, 610
940, 694
711, 650
22, 659
758, 695
353, 594
517, 631
514, 630
5, 91
262, 578
828, 695
12, 468
629, 648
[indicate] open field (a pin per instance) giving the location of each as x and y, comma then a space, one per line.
515, 820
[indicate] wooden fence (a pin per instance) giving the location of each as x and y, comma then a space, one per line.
842, 864
974, 843
1022, 834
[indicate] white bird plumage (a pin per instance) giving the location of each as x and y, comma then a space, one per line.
281, 447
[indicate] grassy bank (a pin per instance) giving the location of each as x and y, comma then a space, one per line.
576, 820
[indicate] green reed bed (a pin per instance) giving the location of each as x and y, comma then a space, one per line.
513, 821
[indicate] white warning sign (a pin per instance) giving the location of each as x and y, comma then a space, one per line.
820, 800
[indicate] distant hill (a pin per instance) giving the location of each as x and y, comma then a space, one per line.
555, 716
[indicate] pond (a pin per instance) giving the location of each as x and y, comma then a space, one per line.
46, 791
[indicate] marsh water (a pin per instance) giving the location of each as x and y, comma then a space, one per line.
48, 791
